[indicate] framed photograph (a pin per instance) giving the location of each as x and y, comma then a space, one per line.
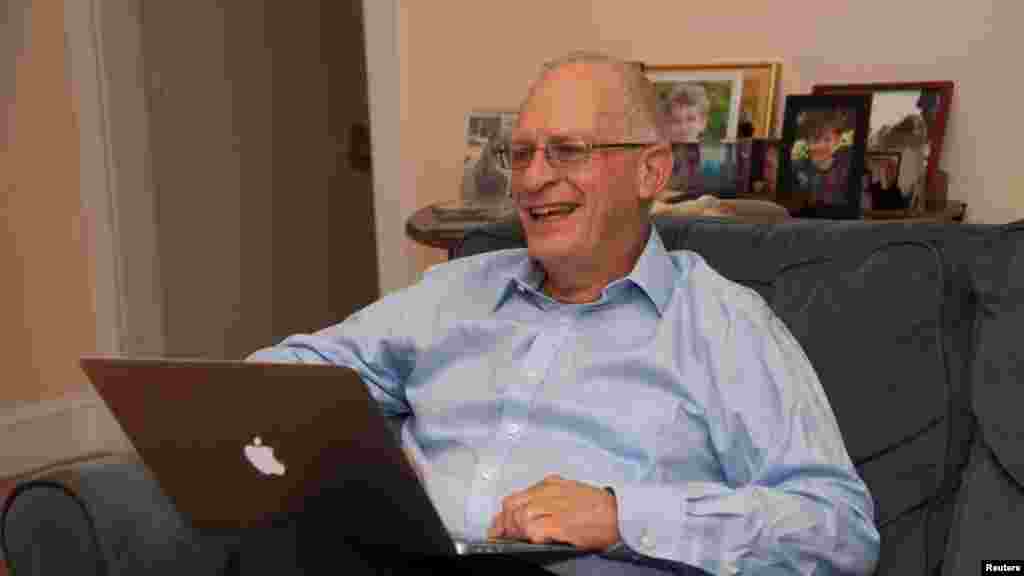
757, 86
700, 105
721, 169
881, 181
821, 160
483, 179
764, 167
685, 181
908, 118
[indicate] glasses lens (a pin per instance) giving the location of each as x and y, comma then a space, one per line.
519, 155
567, 152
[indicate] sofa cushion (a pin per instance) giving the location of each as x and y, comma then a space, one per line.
991, 499
871, 325
999, 360
109, 516
986, 524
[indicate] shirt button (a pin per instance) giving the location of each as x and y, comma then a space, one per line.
532, 375
512, 429
486, 474
646, 542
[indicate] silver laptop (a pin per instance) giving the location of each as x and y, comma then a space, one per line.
239, 444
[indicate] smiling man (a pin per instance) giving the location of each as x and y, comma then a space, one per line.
598, 390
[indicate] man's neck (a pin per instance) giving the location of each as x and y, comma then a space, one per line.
578, 282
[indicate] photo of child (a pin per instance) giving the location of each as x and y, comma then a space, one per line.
823, 146
821, 155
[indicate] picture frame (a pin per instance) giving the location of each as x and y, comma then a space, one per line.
821, 158
758, 83
709, 168
483, 179
764, 169
881, 177
700, 105
900, 112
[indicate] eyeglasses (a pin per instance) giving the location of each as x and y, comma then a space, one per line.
558, 152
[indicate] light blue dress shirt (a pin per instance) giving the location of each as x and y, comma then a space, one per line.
678, 388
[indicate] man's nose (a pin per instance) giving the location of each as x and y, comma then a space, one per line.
538, 172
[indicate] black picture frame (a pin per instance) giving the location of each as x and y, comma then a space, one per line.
831, 186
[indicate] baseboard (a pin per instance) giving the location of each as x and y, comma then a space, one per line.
40, 433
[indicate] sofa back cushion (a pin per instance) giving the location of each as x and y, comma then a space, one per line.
872, 326
991, 499
999, 359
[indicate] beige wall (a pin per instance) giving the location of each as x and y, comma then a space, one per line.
46, 313
472, 55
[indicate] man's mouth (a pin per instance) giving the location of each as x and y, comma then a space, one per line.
551, 212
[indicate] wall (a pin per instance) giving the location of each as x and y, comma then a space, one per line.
48, 244
46, 314
485, 58
391, 205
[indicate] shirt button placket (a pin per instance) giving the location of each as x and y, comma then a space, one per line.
646, 542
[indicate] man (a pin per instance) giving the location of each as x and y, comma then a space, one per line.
597, 390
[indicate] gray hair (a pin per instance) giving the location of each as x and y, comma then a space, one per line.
640, 101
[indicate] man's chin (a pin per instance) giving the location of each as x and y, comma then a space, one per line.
549, 250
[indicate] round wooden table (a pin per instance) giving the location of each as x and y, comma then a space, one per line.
430, 226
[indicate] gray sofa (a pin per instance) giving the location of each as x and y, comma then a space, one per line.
909, 325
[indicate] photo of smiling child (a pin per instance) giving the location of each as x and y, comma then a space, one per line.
824, 142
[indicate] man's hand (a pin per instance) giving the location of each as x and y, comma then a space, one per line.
559, 510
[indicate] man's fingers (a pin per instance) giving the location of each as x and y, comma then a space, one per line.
526, 515
543, 530
514, 500
518, 499
497, 529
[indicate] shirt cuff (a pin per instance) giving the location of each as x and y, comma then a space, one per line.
650, 519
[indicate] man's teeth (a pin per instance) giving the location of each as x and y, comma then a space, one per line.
551, 211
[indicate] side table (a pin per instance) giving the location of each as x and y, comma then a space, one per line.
427, 226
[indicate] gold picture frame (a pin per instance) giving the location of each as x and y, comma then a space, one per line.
760, 86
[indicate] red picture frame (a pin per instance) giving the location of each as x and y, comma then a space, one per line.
937, 132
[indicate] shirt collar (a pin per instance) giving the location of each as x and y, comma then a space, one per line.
654, 273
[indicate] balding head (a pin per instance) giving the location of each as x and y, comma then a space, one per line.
627, 100
586, 211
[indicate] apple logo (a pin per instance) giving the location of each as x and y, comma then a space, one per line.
262, 458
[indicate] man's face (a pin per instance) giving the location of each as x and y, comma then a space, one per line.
597, 201
821, 148
685, 123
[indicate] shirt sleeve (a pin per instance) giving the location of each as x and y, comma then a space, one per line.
791, 502
378, 342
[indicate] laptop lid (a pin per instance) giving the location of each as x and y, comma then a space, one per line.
237, 444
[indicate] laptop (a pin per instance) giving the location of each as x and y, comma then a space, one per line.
239, 444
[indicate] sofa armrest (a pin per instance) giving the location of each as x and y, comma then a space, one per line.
102, 516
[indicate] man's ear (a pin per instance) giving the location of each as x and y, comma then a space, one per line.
654, 171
